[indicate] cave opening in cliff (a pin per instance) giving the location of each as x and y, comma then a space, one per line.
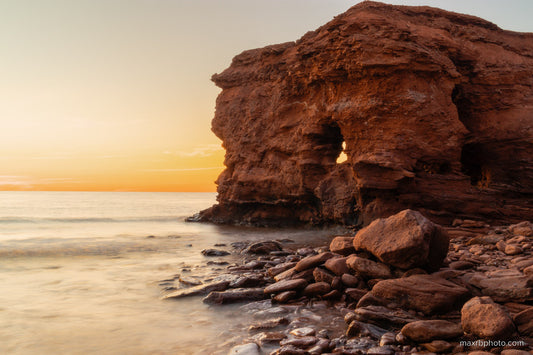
473, 164
342, 157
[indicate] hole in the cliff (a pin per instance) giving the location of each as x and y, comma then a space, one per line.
473, 160
342, 155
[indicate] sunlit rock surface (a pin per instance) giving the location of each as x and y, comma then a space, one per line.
434, 108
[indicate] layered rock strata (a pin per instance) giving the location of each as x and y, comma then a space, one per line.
433, 109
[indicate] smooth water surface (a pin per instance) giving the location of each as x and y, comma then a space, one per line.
83, 272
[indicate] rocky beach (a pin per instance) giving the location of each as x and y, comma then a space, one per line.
401, 285
433, 112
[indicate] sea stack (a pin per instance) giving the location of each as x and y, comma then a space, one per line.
434, 110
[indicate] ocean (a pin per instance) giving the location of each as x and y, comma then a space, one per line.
84, 273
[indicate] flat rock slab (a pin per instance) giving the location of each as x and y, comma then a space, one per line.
235, 296
198, 290
425, 293
263, 247
286, 285
313, 260
383, 316
503, 286
429, 330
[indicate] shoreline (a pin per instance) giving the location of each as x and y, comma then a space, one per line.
288, 319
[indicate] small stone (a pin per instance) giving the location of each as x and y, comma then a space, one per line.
263, 247
286, 275
289, 350
429, 330
461, 265
524, 322
380, 350
501, 245
512, 249
198, 290
515, 352
342, 245
313, 261
284, 297
438, 346
317, 288
368, 268
337, 266
355, 294
321, 275
387, 339
528, 271
270, 338
331, 295
303, 332
286, 285
269, 324
245, 349
234, 296
349, 280
214, 252
300, 342
523, 228
361, 329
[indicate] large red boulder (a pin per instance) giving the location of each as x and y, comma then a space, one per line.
406, 240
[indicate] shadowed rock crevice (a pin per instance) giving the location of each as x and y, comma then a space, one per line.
433, 108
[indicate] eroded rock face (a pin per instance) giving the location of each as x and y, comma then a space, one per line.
434, 108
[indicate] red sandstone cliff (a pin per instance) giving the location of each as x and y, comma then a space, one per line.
435, 109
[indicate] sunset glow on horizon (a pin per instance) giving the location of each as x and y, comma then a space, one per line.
115, 95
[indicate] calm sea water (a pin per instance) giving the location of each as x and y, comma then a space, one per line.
82, 273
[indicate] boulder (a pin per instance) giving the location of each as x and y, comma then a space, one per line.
428, 330
425, 293
406, 240
485, 319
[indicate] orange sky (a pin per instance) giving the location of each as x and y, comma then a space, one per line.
116, 94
